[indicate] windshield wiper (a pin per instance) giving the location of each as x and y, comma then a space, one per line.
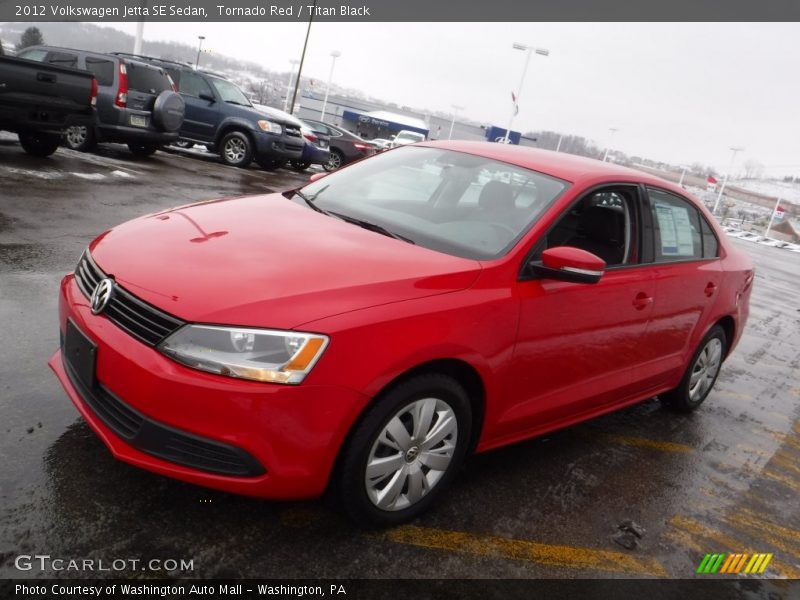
307, 199
372, 227
237, 103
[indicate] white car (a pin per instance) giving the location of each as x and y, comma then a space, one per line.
407, 137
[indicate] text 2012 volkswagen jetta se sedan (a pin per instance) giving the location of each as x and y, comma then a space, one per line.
364, 333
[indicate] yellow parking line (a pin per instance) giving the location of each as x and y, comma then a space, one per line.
789, 482
569, 557
785, 538
648, 443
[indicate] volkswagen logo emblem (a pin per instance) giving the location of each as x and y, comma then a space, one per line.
102, 295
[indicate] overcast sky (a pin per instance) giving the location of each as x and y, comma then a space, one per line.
675, 92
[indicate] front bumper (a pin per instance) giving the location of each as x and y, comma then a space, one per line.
291, 434
282, 147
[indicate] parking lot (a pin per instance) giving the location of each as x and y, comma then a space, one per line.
643, 492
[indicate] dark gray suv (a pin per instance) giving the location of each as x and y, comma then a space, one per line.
137, 103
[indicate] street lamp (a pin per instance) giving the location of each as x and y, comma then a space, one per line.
199, 48
334, 55
456, 109
735, 151
613, 130
528, 50
292, 62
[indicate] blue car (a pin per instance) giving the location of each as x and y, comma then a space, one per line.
317, 145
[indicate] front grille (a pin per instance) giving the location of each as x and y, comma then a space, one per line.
292, 131
160, 440
140, 319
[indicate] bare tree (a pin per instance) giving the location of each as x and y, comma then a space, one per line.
753, 169
260, 90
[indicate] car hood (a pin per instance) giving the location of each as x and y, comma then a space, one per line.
265, 261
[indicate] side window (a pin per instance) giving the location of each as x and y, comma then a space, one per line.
37, 55
603, 223
676, 227
710, 243
103, 70
62, 59
193, 85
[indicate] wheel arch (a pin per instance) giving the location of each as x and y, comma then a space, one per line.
728, 325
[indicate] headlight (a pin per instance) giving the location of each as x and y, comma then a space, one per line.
270, 127
257, 354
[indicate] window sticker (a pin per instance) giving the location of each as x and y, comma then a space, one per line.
676, 230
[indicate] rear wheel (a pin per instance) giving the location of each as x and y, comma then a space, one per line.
236, 149
142, 150
183, 144
80, 138
700, 376
335, 161
39, 144
404, 451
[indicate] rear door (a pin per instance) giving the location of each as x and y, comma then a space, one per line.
688, 274
145, 83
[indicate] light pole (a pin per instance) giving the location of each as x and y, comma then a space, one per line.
735, 151
560, 137
334, 55
683, 174
292, 62
199, 48
313, 10
613, 130
528, 51
456, 109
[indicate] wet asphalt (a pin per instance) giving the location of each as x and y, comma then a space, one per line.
724, 479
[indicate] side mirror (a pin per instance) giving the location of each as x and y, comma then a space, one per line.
566, 263
207, 98
316, 177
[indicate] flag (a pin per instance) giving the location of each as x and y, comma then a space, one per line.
779, 213
711, 179
516, 106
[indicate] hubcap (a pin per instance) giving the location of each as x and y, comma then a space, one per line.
705, 370
334, 162
411, 454
235, 150
76, 135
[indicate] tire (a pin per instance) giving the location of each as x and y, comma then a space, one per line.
142, 150
335, 161
407, 485
236, 149
39, 144
700, 375
168, 111
268, 163
299, 165
80, 138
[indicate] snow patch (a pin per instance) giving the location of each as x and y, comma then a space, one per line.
90, 176
121, 174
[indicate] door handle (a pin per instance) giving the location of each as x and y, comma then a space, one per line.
642, 301
46, 77
710, 289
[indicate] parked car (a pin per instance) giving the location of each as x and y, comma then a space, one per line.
136, 102
39, 101
345, 146
435, 300
407, 137
317, 145
381, 144
220, 117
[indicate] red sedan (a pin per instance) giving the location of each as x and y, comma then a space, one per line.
364, 333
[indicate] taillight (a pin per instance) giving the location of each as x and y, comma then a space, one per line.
172, 83
93, 93
121, 99
311, 137
362, 147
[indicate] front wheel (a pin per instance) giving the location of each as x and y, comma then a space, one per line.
268, 164
39, 144
236, 149
299, 165
335, 161
700, 376
404, 451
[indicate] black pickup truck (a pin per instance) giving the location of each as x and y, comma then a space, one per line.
39, 101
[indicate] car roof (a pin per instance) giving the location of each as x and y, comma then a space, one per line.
108, 55
561, 165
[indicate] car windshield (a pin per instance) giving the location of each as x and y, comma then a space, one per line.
452, 202
229, 92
